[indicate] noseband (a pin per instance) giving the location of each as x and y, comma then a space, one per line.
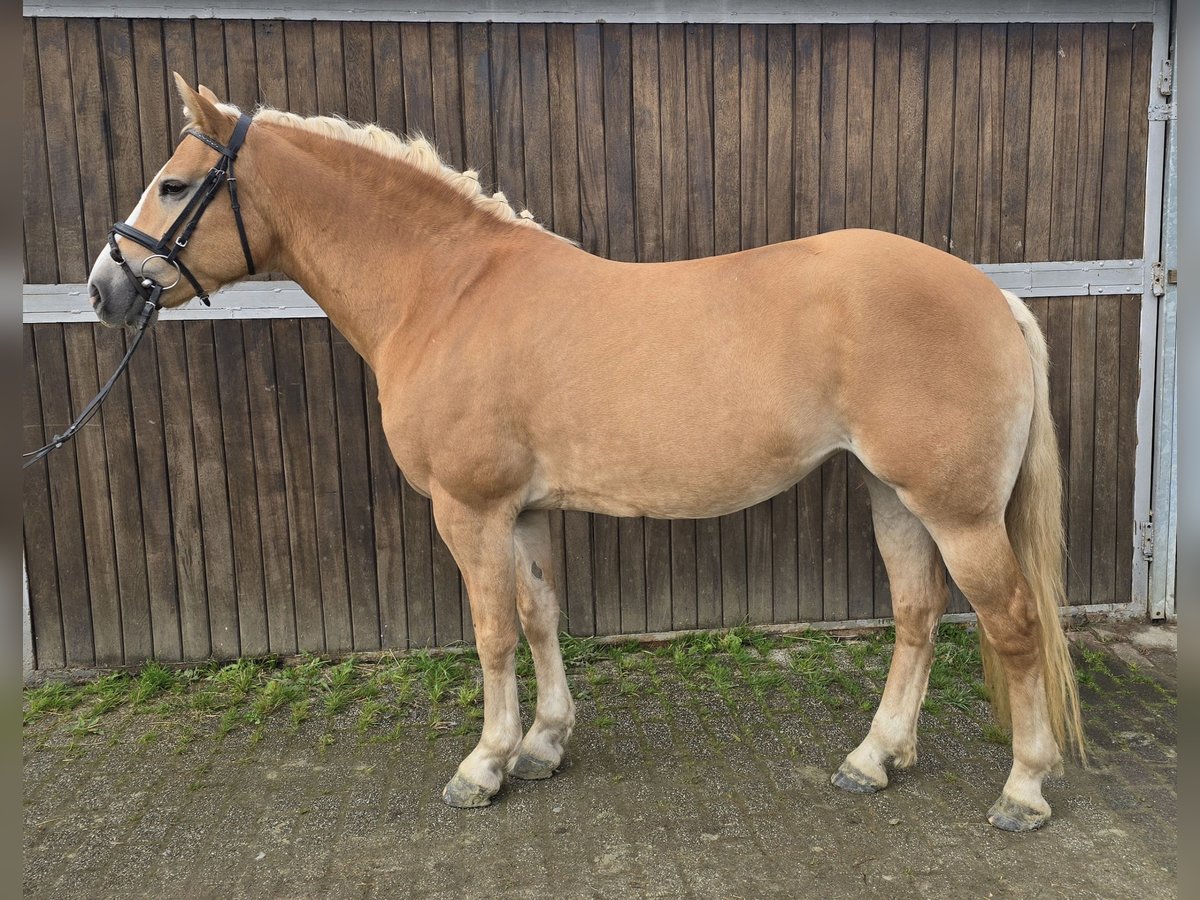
175, 238
166, 248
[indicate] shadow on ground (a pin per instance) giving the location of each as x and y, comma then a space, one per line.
698, 769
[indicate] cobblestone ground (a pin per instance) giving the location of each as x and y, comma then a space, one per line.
689, 776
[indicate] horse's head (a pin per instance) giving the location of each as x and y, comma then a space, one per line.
164, 243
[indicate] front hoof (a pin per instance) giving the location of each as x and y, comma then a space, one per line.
530, 768
848, 778
463, 794
1010, 816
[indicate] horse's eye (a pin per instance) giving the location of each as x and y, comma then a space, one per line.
172, 188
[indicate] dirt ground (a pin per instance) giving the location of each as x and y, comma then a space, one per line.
695, 771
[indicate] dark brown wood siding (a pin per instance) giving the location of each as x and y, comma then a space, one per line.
236, 495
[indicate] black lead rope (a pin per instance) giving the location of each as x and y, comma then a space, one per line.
144, 318
167, 248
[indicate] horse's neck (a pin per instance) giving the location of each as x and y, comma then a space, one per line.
376, 258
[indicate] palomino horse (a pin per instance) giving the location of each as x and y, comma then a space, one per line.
518, 374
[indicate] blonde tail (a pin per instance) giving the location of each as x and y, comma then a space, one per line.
1035, 528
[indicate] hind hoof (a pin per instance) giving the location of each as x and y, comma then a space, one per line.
530, 768
851, 779
462, 794
1009, 816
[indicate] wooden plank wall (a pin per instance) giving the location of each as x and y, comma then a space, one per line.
237, 496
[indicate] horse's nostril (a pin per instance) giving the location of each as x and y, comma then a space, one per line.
94, 295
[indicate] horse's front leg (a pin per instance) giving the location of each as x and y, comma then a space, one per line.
537, 602
481, 540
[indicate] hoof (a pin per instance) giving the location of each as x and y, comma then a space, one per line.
530, 768
851, 779
1009, 816
462, 794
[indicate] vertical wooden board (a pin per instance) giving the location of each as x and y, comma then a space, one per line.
122, 122
939, 137
1017, 159
885, 128
66, 201
684, 591
618, 144
760, 564
507, 132
910, 169
558, 563
807, 94
1106, 564
727, 228
416, 70
213, 491
326, 483
329, 69
658, 575
965, 182
1043, 89
810, 547
212, 66
447, 94
91, 130
245, 527
95, 500
391, 575
245, 55
186, 526
860, 85
39, 556
606, 573
41, 265
834, 563
834, 64
860, 89
263, 394
564, 147
1131, 310
577, 575
1091, 140
179, 55
631, 556
709, 577
1139, 130
698, 57
207, 43
753, 120
780, 78
448, 610
355, 469
298, 482
300, 62
1082, 442
589, 104
124, 496
66, 508
373, 88
418, 566
159, 548
991, 142
272, 87
647, 145
1064, 184
1111, 242
477, 100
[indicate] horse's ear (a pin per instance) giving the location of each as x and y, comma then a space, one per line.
207, 94
200, 109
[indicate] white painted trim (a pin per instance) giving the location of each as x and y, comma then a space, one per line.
27, 662
287, 300
1156, 142
754, 11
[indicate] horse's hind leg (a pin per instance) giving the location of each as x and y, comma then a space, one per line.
919, 597
537, 602
982, 562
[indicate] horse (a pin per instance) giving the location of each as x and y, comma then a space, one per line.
518, 374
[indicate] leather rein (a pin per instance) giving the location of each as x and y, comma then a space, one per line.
167, 248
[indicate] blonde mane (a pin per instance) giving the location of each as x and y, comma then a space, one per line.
415, 151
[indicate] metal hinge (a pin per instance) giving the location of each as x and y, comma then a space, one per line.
1166, 78
1146, 530
1158, 279
1161, 112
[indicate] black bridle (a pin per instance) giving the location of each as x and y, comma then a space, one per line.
167, 248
